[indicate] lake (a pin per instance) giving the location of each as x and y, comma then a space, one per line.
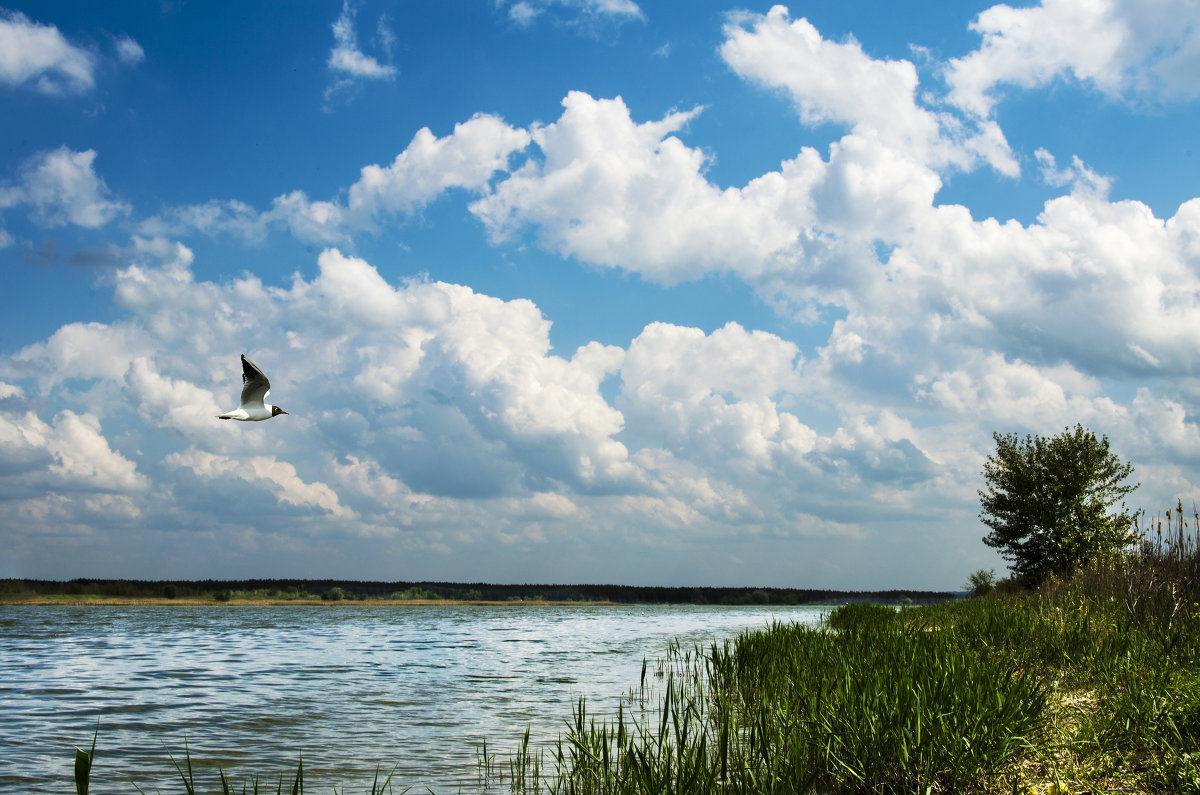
355, 688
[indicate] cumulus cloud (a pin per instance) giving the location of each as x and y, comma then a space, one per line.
838, 82
69, 454
436, 416
39, 55
1020, 289
278, 476
451, 401
80, 350
171, 403
62, 187
467, 158
1123, 48
712, 396
614, 192
440, 417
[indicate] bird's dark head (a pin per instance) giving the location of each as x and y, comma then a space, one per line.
276, 411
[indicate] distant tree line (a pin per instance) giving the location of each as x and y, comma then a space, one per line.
338, 590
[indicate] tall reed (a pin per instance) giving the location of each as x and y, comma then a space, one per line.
876, 706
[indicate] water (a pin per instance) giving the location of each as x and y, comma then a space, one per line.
354, 688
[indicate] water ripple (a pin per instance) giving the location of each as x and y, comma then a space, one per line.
354, 689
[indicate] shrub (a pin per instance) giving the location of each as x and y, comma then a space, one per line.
981, 582
1047, 501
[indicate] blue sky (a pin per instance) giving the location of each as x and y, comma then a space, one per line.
583, 290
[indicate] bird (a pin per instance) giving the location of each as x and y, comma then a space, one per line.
254, 388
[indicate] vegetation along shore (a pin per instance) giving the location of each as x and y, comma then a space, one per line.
1086, 683
88, 591
1078, 674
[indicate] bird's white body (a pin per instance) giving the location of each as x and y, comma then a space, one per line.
254, 389
263, 411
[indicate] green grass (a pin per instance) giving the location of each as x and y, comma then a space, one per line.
292, 784
870, 707
1090, 683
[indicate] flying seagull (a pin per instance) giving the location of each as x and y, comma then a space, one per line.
254, 388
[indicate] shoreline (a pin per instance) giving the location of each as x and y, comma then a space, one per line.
108, 601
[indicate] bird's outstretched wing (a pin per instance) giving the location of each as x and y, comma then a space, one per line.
254, 383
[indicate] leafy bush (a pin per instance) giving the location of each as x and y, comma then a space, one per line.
1047, 501
415, 592
981, 582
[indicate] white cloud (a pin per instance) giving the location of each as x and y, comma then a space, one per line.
471, 365
216, 217
1081, 178
129, 51
467, 158
63, 188
80, 350
439, 418
279, 477
346, 57
1123, 48
1008, 393
68, 454
349, 66
712, 397
310, 221
1022, 289
615, 7
434, 415
525, 12
621, 194
838, 82
37, 54
458, 393
172, 403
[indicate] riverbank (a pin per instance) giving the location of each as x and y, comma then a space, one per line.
67, 600
1088, 684
1030, 695
76, 602
86, 591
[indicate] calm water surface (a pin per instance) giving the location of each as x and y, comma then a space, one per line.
354, 688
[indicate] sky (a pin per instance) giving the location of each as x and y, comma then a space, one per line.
583, 291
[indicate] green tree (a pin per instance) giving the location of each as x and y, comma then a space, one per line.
981, 582
1047, 501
